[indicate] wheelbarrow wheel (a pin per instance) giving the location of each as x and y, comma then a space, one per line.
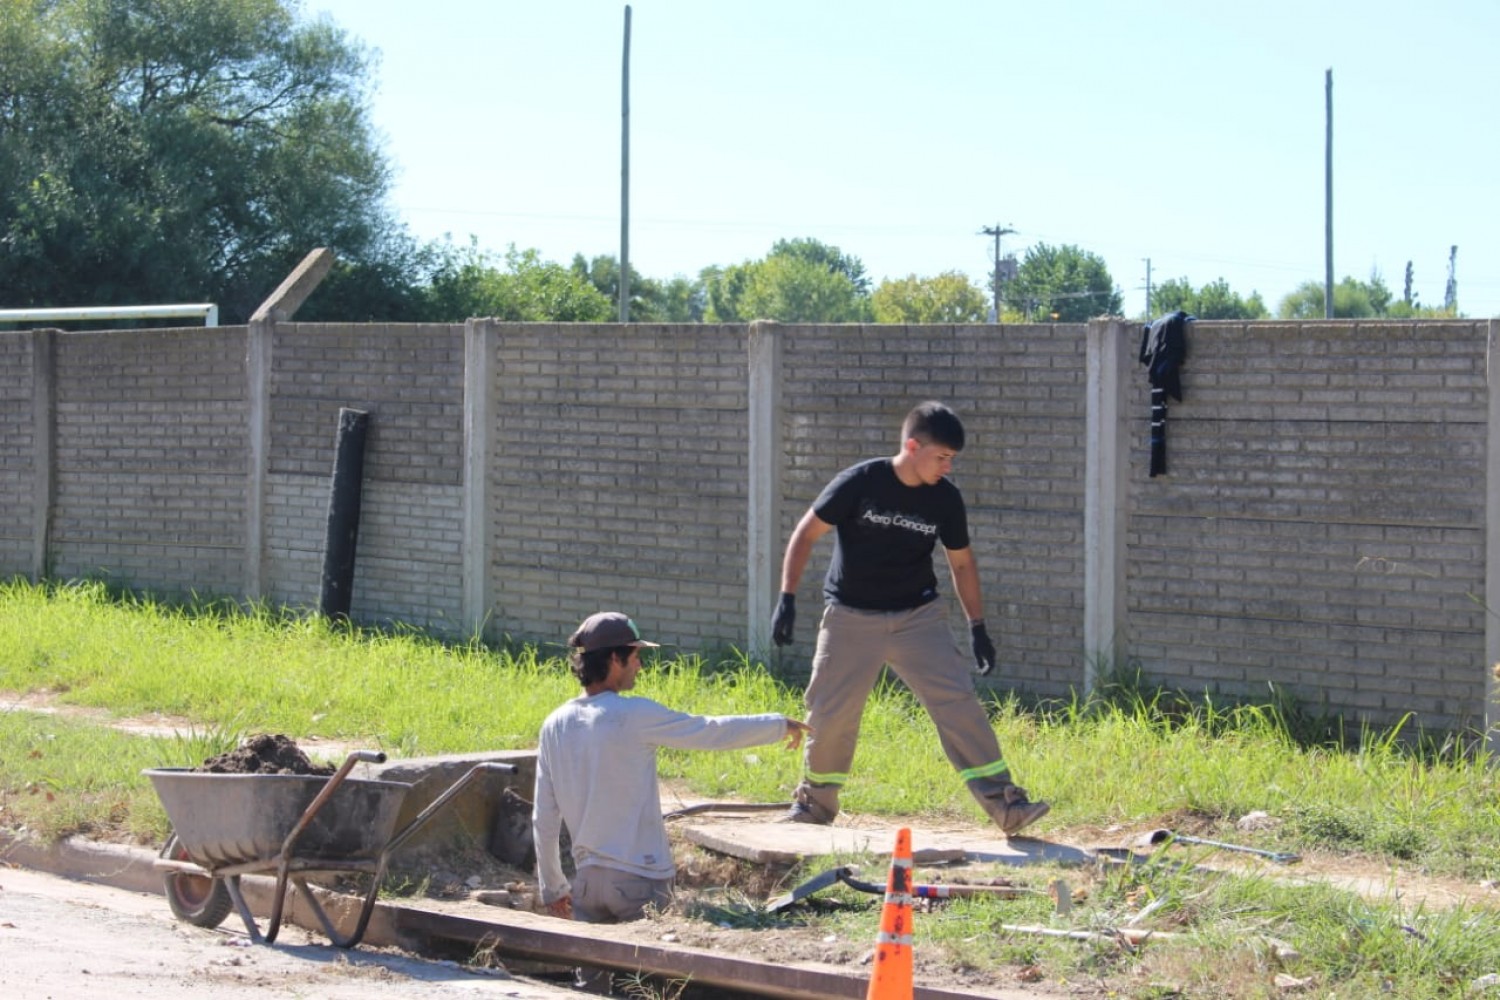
196, 899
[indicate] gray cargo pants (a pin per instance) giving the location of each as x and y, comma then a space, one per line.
852, 647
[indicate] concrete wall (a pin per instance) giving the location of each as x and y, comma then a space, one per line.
149, 459
1325, 525
1323, 522
1020, 392
410, 380
18, 472
616, 478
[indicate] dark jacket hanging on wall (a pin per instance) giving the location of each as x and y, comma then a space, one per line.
1163, 350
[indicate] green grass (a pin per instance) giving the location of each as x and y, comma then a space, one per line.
1131, 756
1118, 760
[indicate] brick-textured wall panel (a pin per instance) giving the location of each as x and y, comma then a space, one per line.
409, 563
1020, 393
409, 378
295, 529
1321, 526
617, 475
17, 462
151, 445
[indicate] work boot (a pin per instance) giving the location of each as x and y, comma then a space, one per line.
802, 812
1014, 811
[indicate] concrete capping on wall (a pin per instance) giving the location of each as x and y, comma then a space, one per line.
44, 423
258, 343
480, 342
765, 462
1106, 486
1492, 541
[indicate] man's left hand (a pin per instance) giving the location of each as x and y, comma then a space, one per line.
984, 649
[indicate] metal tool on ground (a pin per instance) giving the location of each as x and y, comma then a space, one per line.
1162, 836
725, 807
938, 890
815, 884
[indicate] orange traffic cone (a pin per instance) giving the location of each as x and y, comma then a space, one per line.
892, 978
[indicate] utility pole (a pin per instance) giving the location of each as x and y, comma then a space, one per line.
996, 231
1450, 294
1328, 197
1148, 288
625, 175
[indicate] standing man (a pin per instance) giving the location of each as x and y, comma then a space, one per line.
882, 607
596, 772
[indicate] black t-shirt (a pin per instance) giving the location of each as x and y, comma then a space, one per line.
886, 531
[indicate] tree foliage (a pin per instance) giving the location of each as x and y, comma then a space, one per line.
800, 281
1352, 299
951, 297
1063, 284
815, 252
1214, 300
470, 282
184, 150
676, 300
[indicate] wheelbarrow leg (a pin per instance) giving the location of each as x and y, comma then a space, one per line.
278, 903
324, 921
232, 885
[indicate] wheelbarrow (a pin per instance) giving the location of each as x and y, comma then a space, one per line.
292, 825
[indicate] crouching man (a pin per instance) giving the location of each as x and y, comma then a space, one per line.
596, 772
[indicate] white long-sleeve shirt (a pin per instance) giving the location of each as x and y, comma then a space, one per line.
596, 771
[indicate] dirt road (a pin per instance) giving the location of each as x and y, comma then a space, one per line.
65, 939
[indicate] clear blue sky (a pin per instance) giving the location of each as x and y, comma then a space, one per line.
1189, 133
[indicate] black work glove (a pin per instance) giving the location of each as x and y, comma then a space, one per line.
783, 619
984, 649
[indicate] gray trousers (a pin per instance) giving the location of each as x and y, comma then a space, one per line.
609, 896
917, 644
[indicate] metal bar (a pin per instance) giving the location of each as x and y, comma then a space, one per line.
405, 833
208, 310
367, 756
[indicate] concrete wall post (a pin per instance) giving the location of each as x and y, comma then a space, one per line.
763, 574
1106, 485
258, 397
43, 445
480, 343
1492, 541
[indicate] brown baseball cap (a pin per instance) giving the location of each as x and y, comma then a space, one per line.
606, 630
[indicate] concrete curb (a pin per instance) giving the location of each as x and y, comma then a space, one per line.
118, 865
511, 933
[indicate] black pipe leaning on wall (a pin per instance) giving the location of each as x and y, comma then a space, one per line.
343, 514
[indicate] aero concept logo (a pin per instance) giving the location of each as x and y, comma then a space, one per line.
904, 522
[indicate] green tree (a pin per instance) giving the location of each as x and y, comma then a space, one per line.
469, 283
800, 281
1352, 299
183, 150
1214, 300
816, 252
795, 290
948, 298
677, 300
1064, 284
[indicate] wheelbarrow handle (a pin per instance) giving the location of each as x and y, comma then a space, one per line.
488, 767
326, 792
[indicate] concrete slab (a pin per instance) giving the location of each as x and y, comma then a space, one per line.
765, 842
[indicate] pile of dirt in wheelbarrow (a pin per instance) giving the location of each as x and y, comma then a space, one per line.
264, 754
